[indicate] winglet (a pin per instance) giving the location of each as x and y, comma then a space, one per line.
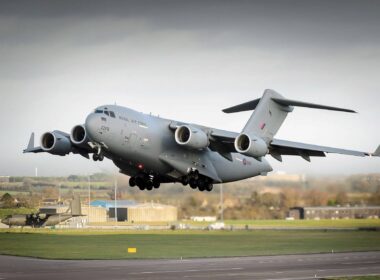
31, 148
31, 142
377, 152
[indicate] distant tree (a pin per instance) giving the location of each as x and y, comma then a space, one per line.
73, 178
7, 201
50, 192
315, 198
341, 198
375, 198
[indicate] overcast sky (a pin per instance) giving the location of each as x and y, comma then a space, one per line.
187, 60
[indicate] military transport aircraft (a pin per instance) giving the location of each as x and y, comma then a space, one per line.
37, 220
153, 150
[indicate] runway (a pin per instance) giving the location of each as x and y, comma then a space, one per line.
287, 267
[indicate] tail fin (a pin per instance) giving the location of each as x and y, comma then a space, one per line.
76, 209
270, 112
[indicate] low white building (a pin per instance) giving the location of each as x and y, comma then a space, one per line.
203, 218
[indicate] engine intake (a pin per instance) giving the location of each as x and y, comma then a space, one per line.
55, 143
79, 135
191, 137
253, 147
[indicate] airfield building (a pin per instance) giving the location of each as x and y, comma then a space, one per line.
4, 179
145, 212
94, 214
334, 212
111, 203
54, 209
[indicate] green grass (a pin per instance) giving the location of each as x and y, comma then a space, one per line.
344, 223
96, 244
374, 277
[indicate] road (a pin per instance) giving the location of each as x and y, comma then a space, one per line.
265, 267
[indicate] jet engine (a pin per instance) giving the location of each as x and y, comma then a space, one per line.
251, 146
191, 137
79, 135
55, 143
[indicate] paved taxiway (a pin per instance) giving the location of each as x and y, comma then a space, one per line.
267, 267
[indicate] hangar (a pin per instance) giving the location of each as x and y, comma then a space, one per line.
334, 212
145, 212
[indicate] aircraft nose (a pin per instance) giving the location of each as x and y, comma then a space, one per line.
92, 124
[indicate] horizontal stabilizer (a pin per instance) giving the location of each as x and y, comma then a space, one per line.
247, 106
251, 105
288, 102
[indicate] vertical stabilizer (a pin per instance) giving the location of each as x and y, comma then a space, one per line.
267, 117
76, 209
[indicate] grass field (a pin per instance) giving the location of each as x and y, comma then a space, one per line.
351, 223
375, 277
96, 244
344, 223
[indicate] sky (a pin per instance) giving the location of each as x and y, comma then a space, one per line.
187, 60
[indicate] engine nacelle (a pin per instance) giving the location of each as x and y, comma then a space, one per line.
55, 143
79, 135
191, 137
251, 146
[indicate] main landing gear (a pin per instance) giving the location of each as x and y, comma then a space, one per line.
144, 182
196, 180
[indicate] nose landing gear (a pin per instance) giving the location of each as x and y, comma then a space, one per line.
98, 157
98, 154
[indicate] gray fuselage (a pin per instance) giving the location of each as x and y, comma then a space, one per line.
139, 142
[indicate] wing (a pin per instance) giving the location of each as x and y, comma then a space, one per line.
222, 141
279, 147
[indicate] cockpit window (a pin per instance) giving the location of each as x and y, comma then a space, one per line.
108, 113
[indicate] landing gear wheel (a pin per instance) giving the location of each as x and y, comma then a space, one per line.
193, 183
156, 183
209, 188
101, 157
185, 180
140, 183
201, 188
95, 157
132, 181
